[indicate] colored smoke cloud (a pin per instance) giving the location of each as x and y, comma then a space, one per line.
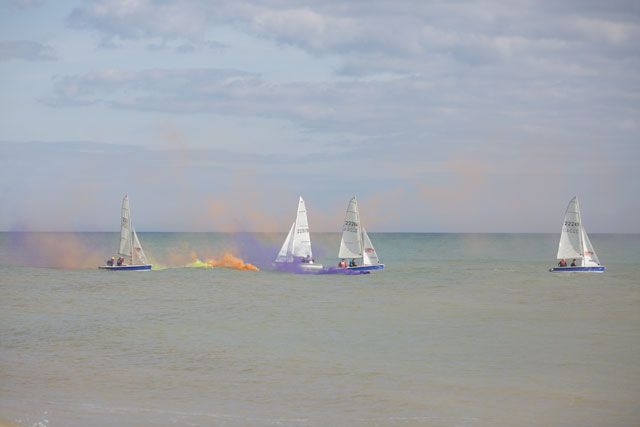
55, 250
229, 261
184, 257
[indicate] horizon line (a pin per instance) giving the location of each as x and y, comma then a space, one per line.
319, 232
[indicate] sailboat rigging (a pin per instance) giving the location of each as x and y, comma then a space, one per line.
355, 243
575, 244
296, 253
130, 253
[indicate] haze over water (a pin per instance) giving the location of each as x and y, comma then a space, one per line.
457, 330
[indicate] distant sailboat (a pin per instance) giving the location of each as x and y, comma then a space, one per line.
575, 244
133, 257
295, 253
355, 243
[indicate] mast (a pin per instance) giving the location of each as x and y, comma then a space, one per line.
130, 236
580, 227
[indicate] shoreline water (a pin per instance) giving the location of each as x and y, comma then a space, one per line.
456, 330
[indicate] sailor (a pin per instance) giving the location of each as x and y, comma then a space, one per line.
573, 263
110, 262
309, 259
120, 261
342, 263
352, 263
562, 263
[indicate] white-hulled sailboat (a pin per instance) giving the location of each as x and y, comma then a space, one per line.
295, 254
355, 243
575, 244
133, 257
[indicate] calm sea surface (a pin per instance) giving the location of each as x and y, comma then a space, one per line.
457, 330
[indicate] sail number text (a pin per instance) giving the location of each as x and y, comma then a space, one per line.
571, 226
351, 226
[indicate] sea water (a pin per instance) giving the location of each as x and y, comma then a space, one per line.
457, 330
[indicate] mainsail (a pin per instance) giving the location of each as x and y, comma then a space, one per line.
571, 237
351, 242
302, 239
125, 232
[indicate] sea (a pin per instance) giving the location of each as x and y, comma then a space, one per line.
457, 330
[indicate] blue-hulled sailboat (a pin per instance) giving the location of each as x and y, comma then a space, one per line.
355, 244
131, 257
575, 244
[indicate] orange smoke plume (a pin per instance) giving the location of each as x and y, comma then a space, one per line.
57, 250
230, 261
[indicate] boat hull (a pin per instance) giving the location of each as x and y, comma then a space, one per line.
366, 267
298, 267
596, 269
142, 267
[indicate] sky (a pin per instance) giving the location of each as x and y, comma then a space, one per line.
439, 116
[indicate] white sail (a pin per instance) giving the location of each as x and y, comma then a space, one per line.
590, 257
369, 256
138, 254
125, 232
285, 252
571, 237
302, 239
351, 242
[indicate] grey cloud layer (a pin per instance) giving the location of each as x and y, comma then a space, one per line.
405, 37
25, 50
523, 63
523, 105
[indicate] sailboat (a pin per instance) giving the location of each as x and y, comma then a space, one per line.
295, 253
130, 248
355, 243
575, 244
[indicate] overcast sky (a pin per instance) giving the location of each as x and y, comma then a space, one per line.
461, 116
